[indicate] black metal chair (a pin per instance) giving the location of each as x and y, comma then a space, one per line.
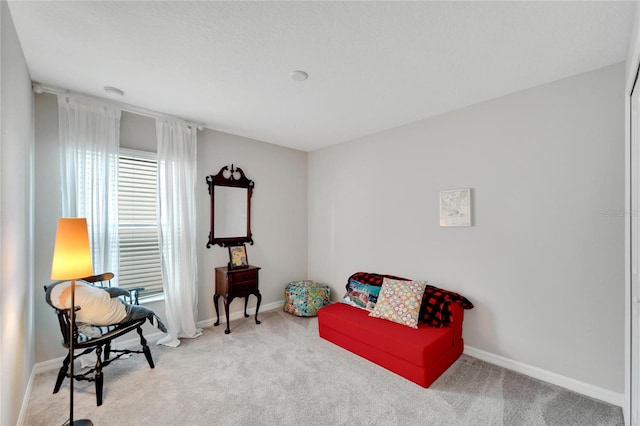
102, 344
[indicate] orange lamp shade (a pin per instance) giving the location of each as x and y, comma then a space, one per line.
72, 252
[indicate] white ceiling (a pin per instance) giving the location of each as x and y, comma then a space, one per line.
371, 65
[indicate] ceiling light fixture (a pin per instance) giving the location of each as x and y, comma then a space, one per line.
298, 75
113, 91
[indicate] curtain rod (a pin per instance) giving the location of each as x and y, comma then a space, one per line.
43, 88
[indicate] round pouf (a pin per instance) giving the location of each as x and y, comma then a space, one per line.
304, 298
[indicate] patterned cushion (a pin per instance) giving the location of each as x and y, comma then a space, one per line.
435, 301
363, 296
304, 298
399, 301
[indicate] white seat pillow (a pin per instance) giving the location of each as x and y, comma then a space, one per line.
96, 305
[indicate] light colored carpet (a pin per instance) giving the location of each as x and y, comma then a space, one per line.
282, 373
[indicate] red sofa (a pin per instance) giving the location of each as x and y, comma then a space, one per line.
420, 355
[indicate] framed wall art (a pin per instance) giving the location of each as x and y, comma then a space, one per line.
455, 207
238, 257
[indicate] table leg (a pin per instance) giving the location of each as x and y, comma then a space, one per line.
227, 302
216, 297
259, 296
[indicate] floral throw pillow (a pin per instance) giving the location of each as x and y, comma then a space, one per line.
399, 301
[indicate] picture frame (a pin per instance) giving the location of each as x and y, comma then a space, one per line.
238, 257
455, 207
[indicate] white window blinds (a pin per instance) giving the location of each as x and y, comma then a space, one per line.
137, 223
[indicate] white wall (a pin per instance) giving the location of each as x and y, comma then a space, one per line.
16, 238
48, 208
279, 213
631, 68
544, 260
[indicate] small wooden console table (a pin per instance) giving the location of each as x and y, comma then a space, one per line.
232, 283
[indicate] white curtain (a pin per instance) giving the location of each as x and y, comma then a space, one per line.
177, 144
89, 142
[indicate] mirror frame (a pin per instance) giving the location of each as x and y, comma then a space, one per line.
233, 177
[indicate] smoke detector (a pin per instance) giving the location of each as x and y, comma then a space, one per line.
113, 91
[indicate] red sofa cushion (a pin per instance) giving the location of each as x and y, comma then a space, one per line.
421, 347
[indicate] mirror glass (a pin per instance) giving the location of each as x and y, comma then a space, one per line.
230, 212
230, 192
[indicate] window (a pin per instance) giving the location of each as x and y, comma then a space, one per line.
137, 223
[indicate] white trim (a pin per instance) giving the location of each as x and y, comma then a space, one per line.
144, 300
587, 389
632, 64
54, 364
548, 376
27, 396
147, 155
627, 263
50, 365
240, 314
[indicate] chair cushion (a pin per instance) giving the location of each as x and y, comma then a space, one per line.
96, 305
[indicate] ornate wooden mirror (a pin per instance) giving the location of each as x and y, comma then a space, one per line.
230, 192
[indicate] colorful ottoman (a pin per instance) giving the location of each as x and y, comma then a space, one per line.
304, 298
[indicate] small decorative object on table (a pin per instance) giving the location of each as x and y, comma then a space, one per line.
304, 298
238, 257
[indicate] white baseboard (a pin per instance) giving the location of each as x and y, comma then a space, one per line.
547, 376
27, 396
535, 372
54, 364
240, 314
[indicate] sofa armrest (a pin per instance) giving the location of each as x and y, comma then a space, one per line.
457, 317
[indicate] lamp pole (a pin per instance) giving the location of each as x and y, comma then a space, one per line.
72, 339
71, 260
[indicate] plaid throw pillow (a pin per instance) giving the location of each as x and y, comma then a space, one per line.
372, 279
435, 305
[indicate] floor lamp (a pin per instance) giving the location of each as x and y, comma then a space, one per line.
71, 261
